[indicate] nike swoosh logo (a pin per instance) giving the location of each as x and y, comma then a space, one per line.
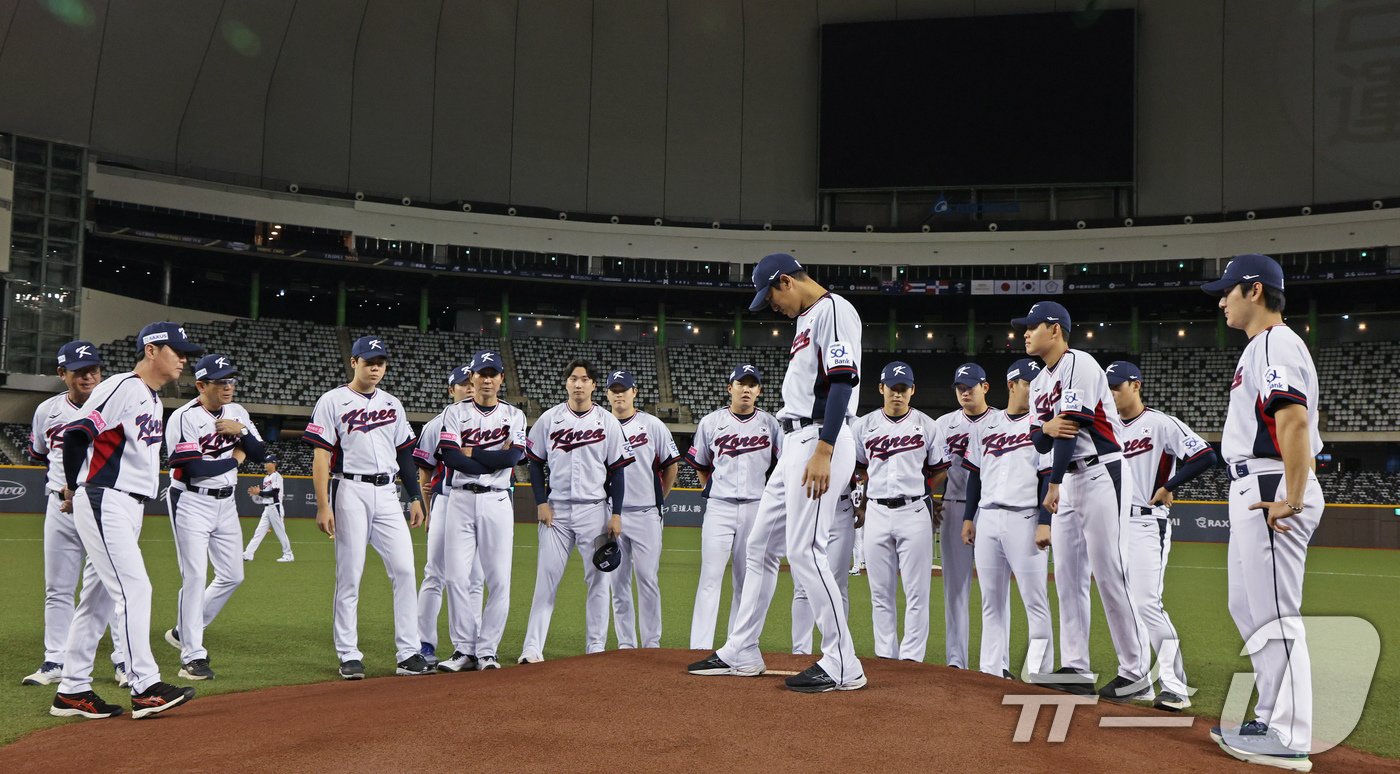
53, 416
776, 273
1242, 492
723, 428
559, 421
807, 440
1251, 276
348, 402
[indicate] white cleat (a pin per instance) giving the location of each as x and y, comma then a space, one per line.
47, 674
487, 662
120, 676
286, 558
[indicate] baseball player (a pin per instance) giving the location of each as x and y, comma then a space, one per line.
1269, 444
1072, 419
799, 502
1008, 529
858, 551
838, 551
954, 429
586, 450
430, 477
206, 440
649, 479
361, 437
268, 494
733, 450
895, 445
113, 449
80, 368
481, 442
1164, 454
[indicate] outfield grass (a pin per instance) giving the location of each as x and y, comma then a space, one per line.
277, 628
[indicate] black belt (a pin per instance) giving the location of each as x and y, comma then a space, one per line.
138, 498
378, 479
897, 502
791, 425
1084, 464
1146, 510
217, 494
1241, 469
477, 488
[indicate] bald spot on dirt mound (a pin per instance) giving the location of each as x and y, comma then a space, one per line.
631, 711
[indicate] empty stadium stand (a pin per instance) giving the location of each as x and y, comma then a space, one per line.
699, 373
540, 363
420, 362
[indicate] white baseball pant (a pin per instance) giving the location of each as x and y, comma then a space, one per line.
479, 545
368, 515
899, 545
64, 563
1266, 594
575, 524
957, 562
838, 551
723, 535
118, 589
788, 520
1005, 546
206, 532
1100, 497
430, 591
272, 518
1072, 578
1149, 542
641, 553
858, 550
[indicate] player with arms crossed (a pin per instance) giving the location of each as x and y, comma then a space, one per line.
361, 437
1164, 454
1008, 528
586, 451
481, 442
799, 502
1269, 444
113, 448
80, 368
206, 440
1072, 419
268, 494
649, 479
733, 449
894, 446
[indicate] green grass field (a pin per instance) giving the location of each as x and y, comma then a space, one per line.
277, 628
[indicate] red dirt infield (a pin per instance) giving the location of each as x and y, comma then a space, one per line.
632, 711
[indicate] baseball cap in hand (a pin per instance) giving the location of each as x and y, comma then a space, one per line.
212, 367
746, 370
1041, 312
1024, 369
459, 375
969, 375
607, 554
1247, 268
623, 379
367, 347
1120, 371
767, 272
169, 334
79, 354
487, 359
897, 372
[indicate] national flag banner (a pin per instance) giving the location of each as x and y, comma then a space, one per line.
1003, 287
939, 288
1052, 287
983, 287
914, 287
1028, 287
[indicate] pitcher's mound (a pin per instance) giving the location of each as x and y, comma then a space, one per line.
627, 711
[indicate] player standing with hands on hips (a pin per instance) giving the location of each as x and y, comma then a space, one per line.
113, 449
799, 502
1269, 444
361, 437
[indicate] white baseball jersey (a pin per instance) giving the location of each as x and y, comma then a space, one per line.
191, 435
580, 450
272, 482
895, 452
51, 418
468, 425
1275, 368
362, 432
1154, 444
954, 432
1001, 452
825, 349
425, 453
654, 450
1077, 385
122, 416
736, 452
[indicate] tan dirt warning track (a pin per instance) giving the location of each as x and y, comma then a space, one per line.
629, 711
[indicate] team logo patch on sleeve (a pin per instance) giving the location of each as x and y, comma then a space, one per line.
1070, 401
1275, 379
317, 429
187, 446
840, 355
446, 436
95, 417
420, 454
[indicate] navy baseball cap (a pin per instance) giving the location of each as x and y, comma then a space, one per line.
369, 347
767, 272
211, 367
1024, 369
169, 334
269, 457
459, 375
1042, 312
969, 375
623, 379
745, 370
897, 372
487, 358
79, 354
1247, 268
1120, 371
607, 554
